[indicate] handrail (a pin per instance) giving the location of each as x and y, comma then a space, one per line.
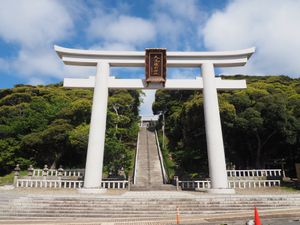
161, 159
255, 173
240, 184
136, 159
55, 172
42, 183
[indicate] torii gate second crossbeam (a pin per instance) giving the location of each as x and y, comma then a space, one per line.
207, 61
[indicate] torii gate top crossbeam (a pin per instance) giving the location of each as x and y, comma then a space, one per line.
80, 57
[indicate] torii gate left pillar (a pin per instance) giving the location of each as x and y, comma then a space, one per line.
102, 82
95, 152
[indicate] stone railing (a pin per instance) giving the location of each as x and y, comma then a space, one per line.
161, 160
256, 173
136, 159
29, 183
197, 184
116, 184
55, 172
60, 178
52, 172
74, 184
240, 184
253, 183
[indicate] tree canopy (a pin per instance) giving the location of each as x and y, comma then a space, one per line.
261, 125
50, 125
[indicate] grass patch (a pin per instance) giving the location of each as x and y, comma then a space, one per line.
169, 164
290, 188
9, 178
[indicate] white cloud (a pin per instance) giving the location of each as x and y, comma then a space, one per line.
170, 30
113, 46
35, 26
32, 23
177, 22
183, 73
146, 106
121, 29
36, 81
271, 26
41, 62
181, 9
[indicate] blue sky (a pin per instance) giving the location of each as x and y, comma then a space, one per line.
30, 28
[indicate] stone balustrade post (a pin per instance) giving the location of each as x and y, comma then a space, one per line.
45, 172
176, 180
60, 172
129, 182
30, 171
17, 174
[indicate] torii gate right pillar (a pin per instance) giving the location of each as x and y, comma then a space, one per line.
214, 137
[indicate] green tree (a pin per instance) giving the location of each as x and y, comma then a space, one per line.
260, 124
49, 125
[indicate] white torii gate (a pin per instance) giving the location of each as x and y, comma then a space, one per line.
207, 61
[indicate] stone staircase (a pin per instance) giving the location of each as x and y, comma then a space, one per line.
152, 205
149, 172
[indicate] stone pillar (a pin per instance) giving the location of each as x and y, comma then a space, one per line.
95, 152
214, 138
17, 174
30, 171
60, 172
45, 171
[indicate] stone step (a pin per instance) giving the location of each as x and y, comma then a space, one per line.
108, 214
157, 206
149, 171
152, 200
84, 215
136, 205
120, 210
154, 206
141, 210
149, 202
156, 196
47, 212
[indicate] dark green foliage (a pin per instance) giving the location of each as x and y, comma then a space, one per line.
50, 124
261, 124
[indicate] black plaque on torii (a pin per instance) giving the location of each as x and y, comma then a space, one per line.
155, 65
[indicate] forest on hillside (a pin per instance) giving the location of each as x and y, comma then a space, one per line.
261, 126
49, 125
